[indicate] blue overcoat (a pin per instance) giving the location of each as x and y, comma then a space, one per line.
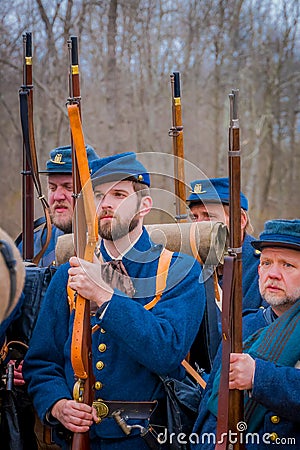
276, 388
138, 344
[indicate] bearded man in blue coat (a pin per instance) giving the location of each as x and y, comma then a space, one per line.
268, 369
131, 346
60, 198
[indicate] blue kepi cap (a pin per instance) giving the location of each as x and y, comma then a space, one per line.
61, 159
279, 233
119, 167
213, 190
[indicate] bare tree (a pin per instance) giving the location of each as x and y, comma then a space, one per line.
127, 50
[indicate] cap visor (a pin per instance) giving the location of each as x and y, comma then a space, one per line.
259, 245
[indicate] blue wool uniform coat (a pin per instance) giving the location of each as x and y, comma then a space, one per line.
138, 344
276, 388
39, 240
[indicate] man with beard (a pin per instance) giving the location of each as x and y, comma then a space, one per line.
268, 370
134, 340
60, 199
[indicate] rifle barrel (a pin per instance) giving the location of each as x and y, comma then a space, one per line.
27, 181
230, 402
178, 150
236, 407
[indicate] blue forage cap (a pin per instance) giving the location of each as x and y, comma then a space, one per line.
213, 190
61, 159
119, 167
279, 233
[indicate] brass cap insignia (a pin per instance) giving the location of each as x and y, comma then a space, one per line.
198, 189
58, 159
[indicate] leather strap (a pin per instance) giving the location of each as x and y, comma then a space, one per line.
193, 244
223, 399
92, 227
161, 282
161, 276
191, 371
8, 345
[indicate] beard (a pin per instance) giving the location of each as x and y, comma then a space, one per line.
116, 228
279, 299
62, 221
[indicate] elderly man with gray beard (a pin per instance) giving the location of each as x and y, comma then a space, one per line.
268, 369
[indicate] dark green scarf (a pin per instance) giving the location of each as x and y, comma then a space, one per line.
278, 343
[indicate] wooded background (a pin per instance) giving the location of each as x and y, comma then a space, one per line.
127, 50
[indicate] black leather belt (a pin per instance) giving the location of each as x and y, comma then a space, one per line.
129, 410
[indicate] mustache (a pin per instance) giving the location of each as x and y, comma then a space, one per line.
61, 204
273, 285
106, 213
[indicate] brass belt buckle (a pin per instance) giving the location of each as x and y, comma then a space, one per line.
101, 408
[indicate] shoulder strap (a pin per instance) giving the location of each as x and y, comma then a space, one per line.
161, 276
161, 281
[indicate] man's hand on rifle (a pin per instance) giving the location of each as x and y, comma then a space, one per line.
241, 371
85, 278
76, 417
18, 376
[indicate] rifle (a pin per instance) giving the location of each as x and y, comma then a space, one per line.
84, 225
30, 165
230, 404
176, 132
27, 182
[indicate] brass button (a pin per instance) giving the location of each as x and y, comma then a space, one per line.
102, 330
99, 365
102, 348
98, 385
275, 419
273, 437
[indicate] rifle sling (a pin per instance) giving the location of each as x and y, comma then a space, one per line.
82, 305
223, 398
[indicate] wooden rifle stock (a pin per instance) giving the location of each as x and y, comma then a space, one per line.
27, 181
176, 132
85, 224
230, 404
